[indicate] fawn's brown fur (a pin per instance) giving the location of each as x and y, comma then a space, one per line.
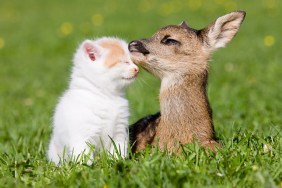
179, 56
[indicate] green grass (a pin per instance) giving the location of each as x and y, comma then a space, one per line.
37, 41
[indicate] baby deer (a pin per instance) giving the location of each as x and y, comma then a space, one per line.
179, 56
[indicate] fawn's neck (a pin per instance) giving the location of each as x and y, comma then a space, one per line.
184, 105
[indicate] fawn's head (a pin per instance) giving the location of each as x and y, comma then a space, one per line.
178, 49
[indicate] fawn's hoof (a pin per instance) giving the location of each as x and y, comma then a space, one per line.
211, 145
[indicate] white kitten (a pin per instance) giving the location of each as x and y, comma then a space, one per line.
94, 109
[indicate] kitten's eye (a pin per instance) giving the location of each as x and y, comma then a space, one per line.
126, 62
168, 41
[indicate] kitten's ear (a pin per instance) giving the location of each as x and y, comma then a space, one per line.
91, 50
222, 31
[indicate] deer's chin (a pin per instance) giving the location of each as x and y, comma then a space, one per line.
137, 57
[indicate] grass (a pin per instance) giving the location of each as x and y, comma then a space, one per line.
37, 40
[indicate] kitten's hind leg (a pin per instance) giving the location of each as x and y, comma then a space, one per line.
53, 154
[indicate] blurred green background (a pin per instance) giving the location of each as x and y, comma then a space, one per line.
38, 39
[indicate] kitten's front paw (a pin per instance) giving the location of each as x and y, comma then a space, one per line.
119, 151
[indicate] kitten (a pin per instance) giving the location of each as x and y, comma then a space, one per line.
94, 110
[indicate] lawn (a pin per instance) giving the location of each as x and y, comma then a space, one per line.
37, 41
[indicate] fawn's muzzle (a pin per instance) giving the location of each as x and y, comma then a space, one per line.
137, 46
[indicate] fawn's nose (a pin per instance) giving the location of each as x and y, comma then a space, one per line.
135, 43
137, 46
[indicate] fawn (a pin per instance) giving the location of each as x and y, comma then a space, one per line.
179, 56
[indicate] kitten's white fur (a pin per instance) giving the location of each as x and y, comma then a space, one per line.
94, 109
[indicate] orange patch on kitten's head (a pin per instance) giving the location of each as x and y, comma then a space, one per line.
116, 53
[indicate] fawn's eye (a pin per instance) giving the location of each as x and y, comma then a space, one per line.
169, 41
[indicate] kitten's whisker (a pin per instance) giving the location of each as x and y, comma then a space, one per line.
143, 81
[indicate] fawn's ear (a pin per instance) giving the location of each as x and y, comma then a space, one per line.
91, 50
184, 25
222, 31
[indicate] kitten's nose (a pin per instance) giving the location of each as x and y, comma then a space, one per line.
136, 70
